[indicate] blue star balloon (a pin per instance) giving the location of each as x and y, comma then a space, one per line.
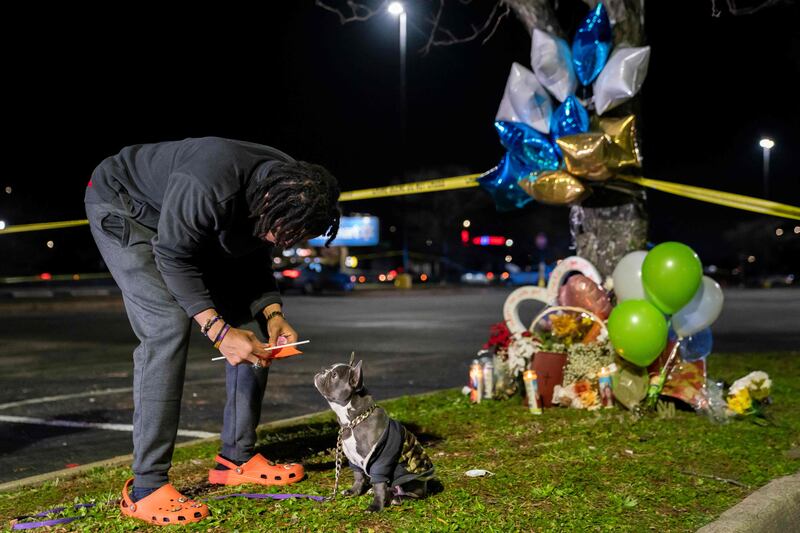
502, 184
532, 150
568, 119
697, 346
591, 45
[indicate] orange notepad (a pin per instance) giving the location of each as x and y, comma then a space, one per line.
288, 351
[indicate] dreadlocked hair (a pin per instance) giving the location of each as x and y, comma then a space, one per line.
295, 200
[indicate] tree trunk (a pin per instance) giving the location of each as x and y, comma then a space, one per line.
535, 14
604, 234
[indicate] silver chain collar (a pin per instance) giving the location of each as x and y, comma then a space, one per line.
353, 423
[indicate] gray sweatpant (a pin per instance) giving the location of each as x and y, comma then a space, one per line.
159, 361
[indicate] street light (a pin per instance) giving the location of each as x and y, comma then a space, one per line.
397, 9
766, 144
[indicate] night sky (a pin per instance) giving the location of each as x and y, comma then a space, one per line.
289, 75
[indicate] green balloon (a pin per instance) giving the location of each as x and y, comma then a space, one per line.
638, 331
671, 275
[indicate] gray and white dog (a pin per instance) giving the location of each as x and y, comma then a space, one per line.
380, 450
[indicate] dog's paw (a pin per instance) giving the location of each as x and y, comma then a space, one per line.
374, 508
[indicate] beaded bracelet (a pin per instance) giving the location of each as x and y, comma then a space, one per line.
274, 314
222, 333
210, 322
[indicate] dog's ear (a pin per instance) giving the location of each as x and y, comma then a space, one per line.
356, 378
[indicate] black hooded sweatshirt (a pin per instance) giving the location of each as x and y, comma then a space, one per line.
194, 194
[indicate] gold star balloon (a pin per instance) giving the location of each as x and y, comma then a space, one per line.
621, 132
555, 187
587, 155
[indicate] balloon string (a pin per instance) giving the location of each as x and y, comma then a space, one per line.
656, 388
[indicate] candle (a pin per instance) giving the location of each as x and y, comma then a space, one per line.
475, 382
604, 383
488, 379
532, 390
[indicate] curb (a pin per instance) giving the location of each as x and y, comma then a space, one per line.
775, 507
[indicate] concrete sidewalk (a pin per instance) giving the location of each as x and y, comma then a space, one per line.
774, 508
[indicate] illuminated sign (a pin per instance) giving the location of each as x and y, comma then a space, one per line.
353, 231
489, 240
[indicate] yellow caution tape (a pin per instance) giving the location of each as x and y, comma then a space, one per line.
737, 201
728, 199
444, 184
39, 226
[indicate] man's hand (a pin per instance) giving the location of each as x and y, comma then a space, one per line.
239, 345
242, 346
277, 326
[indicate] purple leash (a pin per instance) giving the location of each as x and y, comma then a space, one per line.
54, 521
264, 496
68, 519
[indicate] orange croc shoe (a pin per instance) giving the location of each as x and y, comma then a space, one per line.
257, 470
164, 507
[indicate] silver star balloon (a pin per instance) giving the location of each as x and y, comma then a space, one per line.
621, 78
551, 60
525, 100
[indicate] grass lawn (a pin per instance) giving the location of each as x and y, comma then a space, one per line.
565, 470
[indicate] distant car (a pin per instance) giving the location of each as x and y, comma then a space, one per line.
517, 279
477, 278
314, 278
774, 281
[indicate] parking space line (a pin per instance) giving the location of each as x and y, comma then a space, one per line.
91, 394
60, 397
94, 425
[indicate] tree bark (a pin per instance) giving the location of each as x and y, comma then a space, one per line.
627, 19
536, 14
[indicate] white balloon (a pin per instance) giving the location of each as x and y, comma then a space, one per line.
551, 60
701, 311
627, 277
525, 100
621, 78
